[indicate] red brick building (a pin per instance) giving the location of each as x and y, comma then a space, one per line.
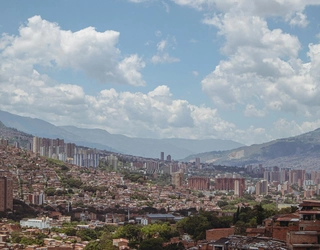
277, 227
6, 193
199, 183
228, 183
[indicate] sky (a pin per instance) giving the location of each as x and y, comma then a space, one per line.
242, 70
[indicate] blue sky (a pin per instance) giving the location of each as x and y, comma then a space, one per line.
243, 70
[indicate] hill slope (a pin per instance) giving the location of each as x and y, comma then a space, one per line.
12, 134
302, 150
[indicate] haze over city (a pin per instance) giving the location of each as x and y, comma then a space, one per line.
241, 70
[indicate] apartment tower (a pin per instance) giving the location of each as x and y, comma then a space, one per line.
6, 194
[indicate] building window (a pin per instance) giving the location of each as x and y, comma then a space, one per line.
301, 228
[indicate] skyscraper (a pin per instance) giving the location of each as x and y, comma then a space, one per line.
162, 156
168, 157
199, 183
197, 163
6, 194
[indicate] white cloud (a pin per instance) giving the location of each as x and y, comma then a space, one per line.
164, 58
155, 114
158, 33
162, 45
27, 91
299, 19
262, 65
252, 111
284, 128
166, 6
162, 55
195, 73
286, 9
44, 43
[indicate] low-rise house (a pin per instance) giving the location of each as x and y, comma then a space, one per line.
300, 240
278, 226
120, 243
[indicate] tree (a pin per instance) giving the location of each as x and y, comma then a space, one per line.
240, 228
15, 237
222, 203
197, 225
93, 245
163, 230
129, 231
236, 216
174, 246
70, 231
87, 234
260, 214
154, 244
50, 191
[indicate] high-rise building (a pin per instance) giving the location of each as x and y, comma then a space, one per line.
228, 183
36, 145
6, 193
297, 176
237, 188
70, 147
168, 157
262, 187
162, 156
112, 160
177, 178
197, 162
152, 166
199, 183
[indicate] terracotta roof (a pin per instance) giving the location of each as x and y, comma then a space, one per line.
309, 212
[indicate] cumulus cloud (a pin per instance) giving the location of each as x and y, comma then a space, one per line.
262, 67
152, 114
262, 64
299, 19
27, 90
44, 43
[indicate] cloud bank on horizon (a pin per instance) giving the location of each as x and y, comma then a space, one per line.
263, 84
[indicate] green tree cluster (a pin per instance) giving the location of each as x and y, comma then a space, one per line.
197, 225
246, 217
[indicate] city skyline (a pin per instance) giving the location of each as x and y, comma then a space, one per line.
240, 70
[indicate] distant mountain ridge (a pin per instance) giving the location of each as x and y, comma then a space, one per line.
101, 139
298, 151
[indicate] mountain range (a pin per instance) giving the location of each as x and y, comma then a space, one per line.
102, 139
301, 151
